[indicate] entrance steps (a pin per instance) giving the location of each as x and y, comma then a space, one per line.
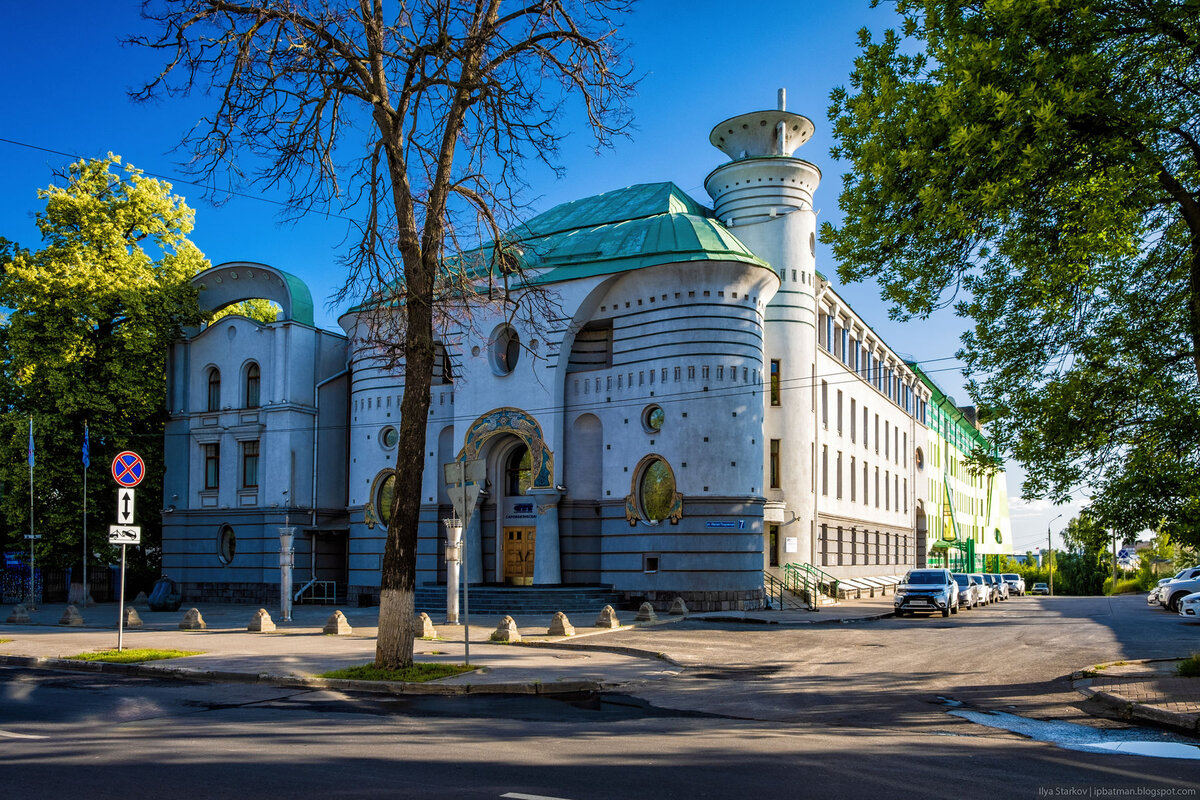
492, 599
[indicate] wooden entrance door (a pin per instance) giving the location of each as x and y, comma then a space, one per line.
518, 555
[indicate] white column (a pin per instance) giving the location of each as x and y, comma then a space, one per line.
547, 557
473, 542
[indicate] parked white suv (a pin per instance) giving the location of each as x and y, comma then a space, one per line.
1179, 587
928, 590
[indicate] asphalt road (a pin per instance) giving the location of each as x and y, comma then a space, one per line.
861, 710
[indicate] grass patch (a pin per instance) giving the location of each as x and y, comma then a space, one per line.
133, 655
1190, 667
417, 673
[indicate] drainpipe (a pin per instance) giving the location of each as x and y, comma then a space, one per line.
316, 434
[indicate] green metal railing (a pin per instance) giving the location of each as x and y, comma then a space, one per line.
810, 583
781, 596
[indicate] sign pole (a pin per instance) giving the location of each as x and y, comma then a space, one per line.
128, 469
121, 606
32, 590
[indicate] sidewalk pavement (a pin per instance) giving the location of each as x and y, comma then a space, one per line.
298, 651
1148, 689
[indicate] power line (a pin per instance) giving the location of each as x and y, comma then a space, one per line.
175, 179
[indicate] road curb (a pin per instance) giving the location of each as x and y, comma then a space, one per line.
1081, 681
798, 623
305, 682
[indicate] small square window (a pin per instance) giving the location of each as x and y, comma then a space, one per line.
649, 564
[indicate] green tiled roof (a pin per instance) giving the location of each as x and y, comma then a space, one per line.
618, 231
622, 230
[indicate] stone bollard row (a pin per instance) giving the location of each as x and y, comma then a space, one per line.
506, 631
261, 622
192, 621
337, 625
607, 618
561, 626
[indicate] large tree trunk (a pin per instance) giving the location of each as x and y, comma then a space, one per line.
394, 645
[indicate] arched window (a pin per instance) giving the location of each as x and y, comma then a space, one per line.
655, 490
384, 491
226, 544
518, 473
214, 389
253, 382
506, 350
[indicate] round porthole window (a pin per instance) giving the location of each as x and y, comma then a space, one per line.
919, 458
226, 544
653, 418
656, 490
389, 437
506, 349
383, 492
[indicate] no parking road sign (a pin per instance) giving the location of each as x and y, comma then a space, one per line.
128, 469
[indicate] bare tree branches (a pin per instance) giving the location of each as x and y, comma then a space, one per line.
413, 120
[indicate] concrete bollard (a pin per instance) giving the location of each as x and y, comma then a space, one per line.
337, 625
71, 617
678, 608
561, 626
262, 622
646, 614
607, 618
19, 615
506, 631
132, 620
425, 629
192, 621
141, 599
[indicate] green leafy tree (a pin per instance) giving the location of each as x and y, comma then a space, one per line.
1037, 164
91, 316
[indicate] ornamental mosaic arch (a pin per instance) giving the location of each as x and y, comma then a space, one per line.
516, 422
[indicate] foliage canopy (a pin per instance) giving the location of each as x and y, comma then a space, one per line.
1037, 163
91, 316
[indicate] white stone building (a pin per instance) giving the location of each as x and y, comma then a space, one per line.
708, 409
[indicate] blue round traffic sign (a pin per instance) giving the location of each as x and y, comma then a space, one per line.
128, 469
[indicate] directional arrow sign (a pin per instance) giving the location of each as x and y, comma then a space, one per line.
124, 534
124, 506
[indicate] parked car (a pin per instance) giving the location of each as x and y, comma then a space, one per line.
1179, 587
987, 594
998, 584
1016, 584
927, 590
1040, 588
968, 590
1189, 606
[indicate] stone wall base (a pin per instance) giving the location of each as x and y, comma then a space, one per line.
746, 600
259, 594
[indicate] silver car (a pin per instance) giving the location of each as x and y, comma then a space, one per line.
1000, 585
987, 594
968, 590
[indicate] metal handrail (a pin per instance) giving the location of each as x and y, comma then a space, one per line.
803, 574
777, 589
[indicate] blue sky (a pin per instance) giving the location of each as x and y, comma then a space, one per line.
67, 76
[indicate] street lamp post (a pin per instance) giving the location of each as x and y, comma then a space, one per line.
1050, 552
287, 555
